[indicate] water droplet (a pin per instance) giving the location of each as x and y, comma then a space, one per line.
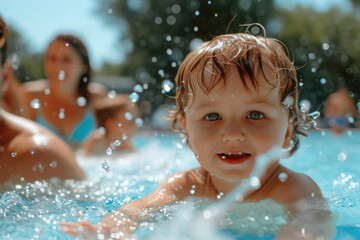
61, 113
15, 61
169, 51
311, 56
105, 166
283, 177
124, 136
255, 30
66, 44
61, 75
13, 154
195, 43
35, 103
167, 85
53, 164
197, 13
176, 8
117, 143
323, 80
192, 191
220, 195
158, 20
110, 11
171, 20
325, 46
216, 15
47, 91
109, 151
255, 182
102, 130
134, 97
342, 156
305, 105
128, 116
196, 28
138, 88
111, 94
139, 122
81, 101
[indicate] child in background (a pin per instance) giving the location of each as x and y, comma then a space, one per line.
236, 101
115, 126
340, 111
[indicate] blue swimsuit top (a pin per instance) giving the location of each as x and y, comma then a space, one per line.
80, 131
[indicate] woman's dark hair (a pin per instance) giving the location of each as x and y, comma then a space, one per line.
2, 41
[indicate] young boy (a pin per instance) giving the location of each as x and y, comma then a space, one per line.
236, 101
115, 118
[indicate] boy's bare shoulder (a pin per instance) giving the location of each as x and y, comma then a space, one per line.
195, 176
293, 186
187, 182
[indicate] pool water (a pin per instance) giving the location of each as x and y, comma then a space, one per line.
34, 210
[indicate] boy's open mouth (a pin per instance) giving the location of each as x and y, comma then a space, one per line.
234, 158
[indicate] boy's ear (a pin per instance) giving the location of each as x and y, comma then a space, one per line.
288, 136
182, 121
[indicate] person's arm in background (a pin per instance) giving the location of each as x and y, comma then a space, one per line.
15, 97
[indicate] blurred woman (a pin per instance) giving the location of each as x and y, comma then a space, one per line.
30, 152
62, 102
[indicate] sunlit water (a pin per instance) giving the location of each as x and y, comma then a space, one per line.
34, 210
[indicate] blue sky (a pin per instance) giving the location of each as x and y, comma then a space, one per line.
40, 20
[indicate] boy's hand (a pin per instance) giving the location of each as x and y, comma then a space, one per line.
110, 227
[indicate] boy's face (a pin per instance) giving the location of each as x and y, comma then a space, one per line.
230, 127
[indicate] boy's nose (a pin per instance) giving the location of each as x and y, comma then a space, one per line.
233, 134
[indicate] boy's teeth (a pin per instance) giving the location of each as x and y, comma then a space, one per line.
239, 153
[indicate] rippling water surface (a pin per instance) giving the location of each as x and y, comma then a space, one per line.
34, 210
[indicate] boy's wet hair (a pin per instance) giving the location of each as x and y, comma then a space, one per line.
3, 47
81, 50
248, 54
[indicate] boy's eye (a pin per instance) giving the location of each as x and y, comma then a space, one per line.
255, 115
212, 117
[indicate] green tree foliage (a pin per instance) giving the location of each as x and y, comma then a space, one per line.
326, 50
161, 33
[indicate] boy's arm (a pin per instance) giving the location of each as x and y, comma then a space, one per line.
125, 220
